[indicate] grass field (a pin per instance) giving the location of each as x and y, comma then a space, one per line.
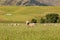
22, 13
23, 32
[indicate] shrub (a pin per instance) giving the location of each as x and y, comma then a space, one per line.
58, 21
52, 18
33, 21
42, 20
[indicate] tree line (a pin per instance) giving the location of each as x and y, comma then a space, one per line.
48, 18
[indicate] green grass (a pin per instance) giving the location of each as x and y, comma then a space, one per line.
23, 32
23, 13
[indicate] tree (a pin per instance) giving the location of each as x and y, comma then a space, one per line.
52, 18
33, 21
42, 20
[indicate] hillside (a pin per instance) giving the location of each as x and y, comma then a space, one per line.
30, 2
19, 13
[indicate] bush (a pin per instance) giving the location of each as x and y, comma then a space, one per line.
42, 20
33, 21
58, 21
52, 18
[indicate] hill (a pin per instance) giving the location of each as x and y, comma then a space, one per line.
21, 14
30, 2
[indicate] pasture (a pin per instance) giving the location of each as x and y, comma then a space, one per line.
22, 13
23, 32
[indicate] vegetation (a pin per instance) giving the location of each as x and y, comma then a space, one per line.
42, 20
34, 21
23, 32
50, 18
21, 14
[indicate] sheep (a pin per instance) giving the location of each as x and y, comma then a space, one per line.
13, 24
30, 24
27, 22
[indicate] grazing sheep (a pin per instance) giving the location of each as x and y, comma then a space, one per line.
18, 24
15, 24
12, 24
27, 22
30, 24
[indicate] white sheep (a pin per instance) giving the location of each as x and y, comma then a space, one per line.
15, 24
30, 24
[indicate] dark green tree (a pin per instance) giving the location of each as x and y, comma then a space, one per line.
33, 21
52, 18
42, 20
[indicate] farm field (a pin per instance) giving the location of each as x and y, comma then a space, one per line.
23, 32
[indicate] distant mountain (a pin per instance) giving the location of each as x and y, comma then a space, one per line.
31, 2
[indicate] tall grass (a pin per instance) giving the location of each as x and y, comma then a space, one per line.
23, 32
